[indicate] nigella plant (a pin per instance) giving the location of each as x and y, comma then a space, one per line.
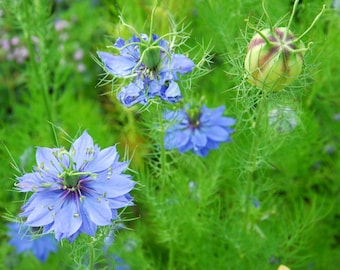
152, 67
197, 129
27, 239
77, 190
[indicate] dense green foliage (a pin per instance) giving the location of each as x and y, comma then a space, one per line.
267, 198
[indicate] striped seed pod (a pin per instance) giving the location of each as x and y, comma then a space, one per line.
274, 59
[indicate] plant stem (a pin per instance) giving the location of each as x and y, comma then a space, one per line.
91, 256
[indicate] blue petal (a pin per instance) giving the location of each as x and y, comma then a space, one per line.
199, 138
176, 139
118, 65
222, 121
131, 95
119, 202
116, 186
68, 219
82, 150
40, 208
171, 93
87, 226
103, 160
97, 209
48, 162
181, 64
154, 88
217, 133
32, 182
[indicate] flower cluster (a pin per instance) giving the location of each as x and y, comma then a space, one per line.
151, 65
25, 239
77, 190
198, 129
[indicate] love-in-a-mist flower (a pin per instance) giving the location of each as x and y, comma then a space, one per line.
197, 129
27, 239
151, 67
77, 190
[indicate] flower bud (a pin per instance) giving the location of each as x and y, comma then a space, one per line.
274, 59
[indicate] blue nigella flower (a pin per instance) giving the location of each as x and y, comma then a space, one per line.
152, 66
25, 239
77, 190
198, 129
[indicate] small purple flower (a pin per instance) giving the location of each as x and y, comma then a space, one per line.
152, 66
25, 239
77, 190
197, 129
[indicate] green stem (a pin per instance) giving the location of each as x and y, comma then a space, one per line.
267, 16
314, 21
296, 2
253, 156
268, 42
91, 256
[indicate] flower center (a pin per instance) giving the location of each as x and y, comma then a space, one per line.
151, 57
71, 179
194, 115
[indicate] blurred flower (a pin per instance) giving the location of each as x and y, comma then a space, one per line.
15, 40
78, 54
197, 129
255, 202
5, 44
152, 66
120, 264
336, 4
25, 240
283, 267
283, 119
336, 117
59, 25
75, 191
81, 67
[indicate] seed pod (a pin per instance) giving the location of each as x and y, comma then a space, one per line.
275, 62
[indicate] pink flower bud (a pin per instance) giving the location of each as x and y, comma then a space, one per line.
274, 59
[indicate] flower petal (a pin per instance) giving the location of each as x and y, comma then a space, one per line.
68, 219
116, 186
131, 95
181, 64
217, 133
103, 160
97, 209
118, 65
40, 208
171, 93
47, 160
83, 150
199, 138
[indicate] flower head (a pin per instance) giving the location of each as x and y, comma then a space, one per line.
25, 239
198, 129
151, 65
77, 190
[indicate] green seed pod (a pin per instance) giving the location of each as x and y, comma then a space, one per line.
274, 59
152, 57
